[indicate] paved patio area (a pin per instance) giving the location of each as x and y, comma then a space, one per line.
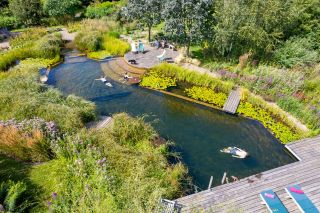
149, 58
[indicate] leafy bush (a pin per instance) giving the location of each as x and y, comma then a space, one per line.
8, 22
115, 46
157, 82
48, 46
100, 10
297, 51
13, 196
89, 41
101, 54
207, 95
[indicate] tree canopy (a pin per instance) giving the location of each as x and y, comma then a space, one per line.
147, 12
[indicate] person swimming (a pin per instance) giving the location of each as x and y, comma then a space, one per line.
103, 79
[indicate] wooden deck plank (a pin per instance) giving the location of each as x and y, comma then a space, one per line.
232, 103
245, 195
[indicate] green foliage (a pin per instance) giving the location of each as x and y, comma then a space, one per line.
115, 46
28, 98
242, 26
89, 41
27, 11
297, 51
48, 46
99, 55
154, 81
61, 8
100, 10
90, 173
192, 77
12, 196
207, 95
188, 20
146, 12
27, 37
298, 109
8, 22
280, 130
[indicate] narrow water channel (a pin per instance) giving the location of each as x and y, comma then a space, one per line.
199, 132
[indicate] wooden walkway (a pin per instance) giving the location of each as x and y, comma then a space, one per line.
243, 195
232, 102
103, 122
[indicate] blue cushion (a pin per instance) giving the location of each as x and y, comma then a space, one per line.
274, 204
302, 200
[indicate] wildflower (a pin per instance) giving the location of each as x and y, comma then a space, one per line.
49, 204
54, 195
1, 208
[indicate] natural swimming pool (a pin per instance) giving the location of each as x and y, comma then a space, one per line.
199, 132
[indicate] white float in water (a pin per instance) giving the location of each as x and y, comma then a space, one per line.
235, 152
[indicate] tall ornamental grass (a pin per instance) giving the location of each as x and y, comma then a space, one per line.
23, 97
193, 77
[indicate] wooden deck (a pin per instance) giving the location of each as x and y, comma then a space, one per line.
149, 59
104, 121
243, 195
232, 102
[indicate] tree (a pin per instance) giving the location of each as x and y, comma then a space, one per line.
188, 20
27, 11
147, 12
61, 8
242, 26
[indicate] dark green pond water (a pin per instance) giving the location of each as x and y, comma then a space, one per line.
199, 132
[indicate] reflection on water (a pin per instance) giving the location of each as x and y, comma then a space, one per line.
199, 132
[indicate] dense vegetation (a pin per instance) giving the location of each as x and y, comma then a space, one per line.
214, 91
52, 163
79, 169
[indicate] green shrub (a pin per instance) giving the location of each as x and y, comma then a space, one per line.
48, 46
114, 45
101, 54
8, 22
100, 10
297, 51
207, 95
154, 81
89, 41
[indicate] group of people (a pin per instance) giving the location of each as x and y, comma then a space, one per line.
160, 44
104, 80
137, 48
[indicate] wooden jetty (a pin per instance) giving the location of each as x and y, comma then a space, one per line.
232, 102
243, 195
103, 122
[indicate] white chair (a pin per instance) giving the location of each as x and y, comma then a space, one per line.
161, 57
133, 48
